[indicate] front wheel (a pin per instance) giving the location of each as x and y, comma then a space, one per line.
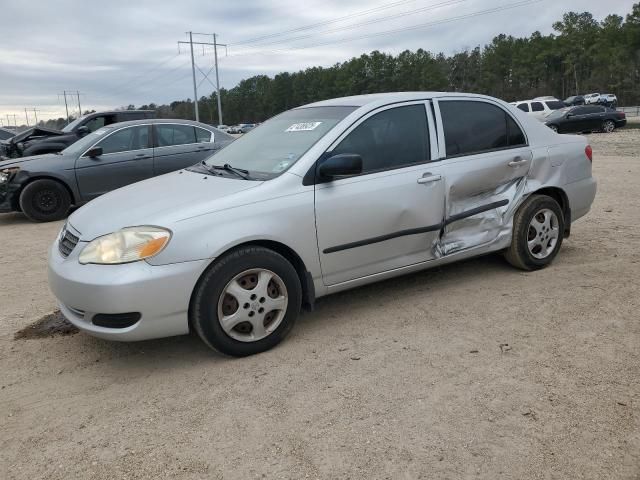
538, 228
247, 302
608, 126
45, 201
554, 128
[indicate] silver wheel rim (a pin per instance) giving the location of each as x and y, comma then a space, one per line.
543, 234
609, 126
252, 305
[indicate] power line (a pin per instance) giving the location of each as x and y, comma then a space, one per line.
399, 30
326, 22
370, 22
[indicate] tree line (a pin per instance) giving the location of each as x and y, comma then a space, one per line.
583, 55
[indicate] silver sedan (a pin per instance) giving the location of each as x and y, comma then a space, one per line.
319, 199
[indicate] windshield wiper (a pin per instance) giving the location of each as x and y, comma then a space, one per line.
240, 172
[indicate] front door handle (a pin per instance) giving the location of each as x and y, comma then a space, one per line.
428, 178
516, 162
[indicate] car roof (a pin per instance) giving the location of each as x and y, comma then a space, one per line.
145, 121
384, 98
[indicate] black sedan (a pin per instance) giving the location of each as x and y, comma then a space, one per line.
44, 187
586, 118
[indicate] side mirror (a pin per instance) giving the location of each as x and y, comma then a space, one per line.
82, 131
94, 152
341, 165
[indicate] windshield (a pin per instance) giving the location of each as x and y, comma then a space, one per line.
271, 148
69, 128
85, 142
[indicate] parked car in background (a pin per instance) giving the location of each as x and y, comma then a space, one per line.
222, 128
246, 127
591, 98
6, 134
41, 140
574, 100
44, 187
539, 108
609, 100
235, 129
586, 118
238, 244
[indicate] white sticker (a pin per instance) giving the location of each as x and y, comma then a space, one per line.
303, 127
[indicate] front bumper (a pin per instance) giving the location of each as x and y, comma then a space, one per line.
161, 294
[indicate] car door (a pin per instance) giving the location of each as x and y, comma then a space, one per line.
578, 119
127, 157
389, 216
178, 146
593, 117
485, 159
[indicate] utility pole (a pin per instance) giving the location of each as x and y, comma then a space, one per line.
35, 114
66, 106
26, 116
79, 107
215, 56
15, 121
215, 46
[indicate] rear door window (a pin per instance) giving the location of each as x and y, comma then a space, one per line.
537, 107
168, 134
474, 127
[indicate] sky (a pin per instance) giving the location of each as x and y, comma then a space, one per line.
126, 52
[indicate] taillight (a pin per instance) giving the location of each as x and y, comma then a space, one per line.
622, 115
589, 152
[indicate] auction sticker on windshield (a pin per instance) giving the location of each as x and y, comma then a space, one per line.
303, 127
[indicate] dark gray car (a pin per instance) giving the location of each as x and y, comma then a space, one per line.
44, 187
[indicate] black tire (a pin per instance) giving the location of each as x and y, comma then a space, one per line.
553, 127
204, 305
608, 126
518, 253
45, 200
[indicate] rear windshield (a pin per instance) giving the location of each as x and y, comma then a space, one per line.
555, 105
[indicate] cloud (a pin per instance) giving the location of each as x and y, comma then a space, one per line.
122, 52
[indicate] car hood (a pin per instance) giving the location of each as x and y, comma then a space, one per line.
35, 132
30, 162
160, 201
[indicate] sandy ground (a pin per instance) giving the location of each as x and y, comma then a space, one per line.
475, 370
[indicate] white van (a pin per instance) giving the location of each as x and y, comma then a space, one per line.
539, 108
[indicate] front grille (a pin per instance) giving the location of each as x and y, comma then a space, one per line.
67, 243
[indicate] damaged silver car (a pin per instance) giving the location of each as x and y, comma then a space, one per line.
319, 199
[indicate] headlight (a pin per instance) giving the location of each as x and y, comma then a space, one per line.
125, 246
7, 173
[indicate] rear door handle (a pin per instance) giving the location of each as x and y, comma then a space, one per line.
516, 162
428, 178
142, 156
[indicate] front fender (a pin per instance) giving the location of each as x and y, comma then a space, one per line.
288, 220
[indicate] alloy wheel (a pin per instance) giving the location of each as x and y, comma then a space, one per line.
543, 233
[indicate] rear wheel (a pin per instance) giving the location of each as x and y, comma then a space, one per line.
538, 228
608, 126
45, 200
247, 302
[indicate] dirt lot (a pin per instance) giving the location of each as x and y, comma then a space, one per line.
475, 370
